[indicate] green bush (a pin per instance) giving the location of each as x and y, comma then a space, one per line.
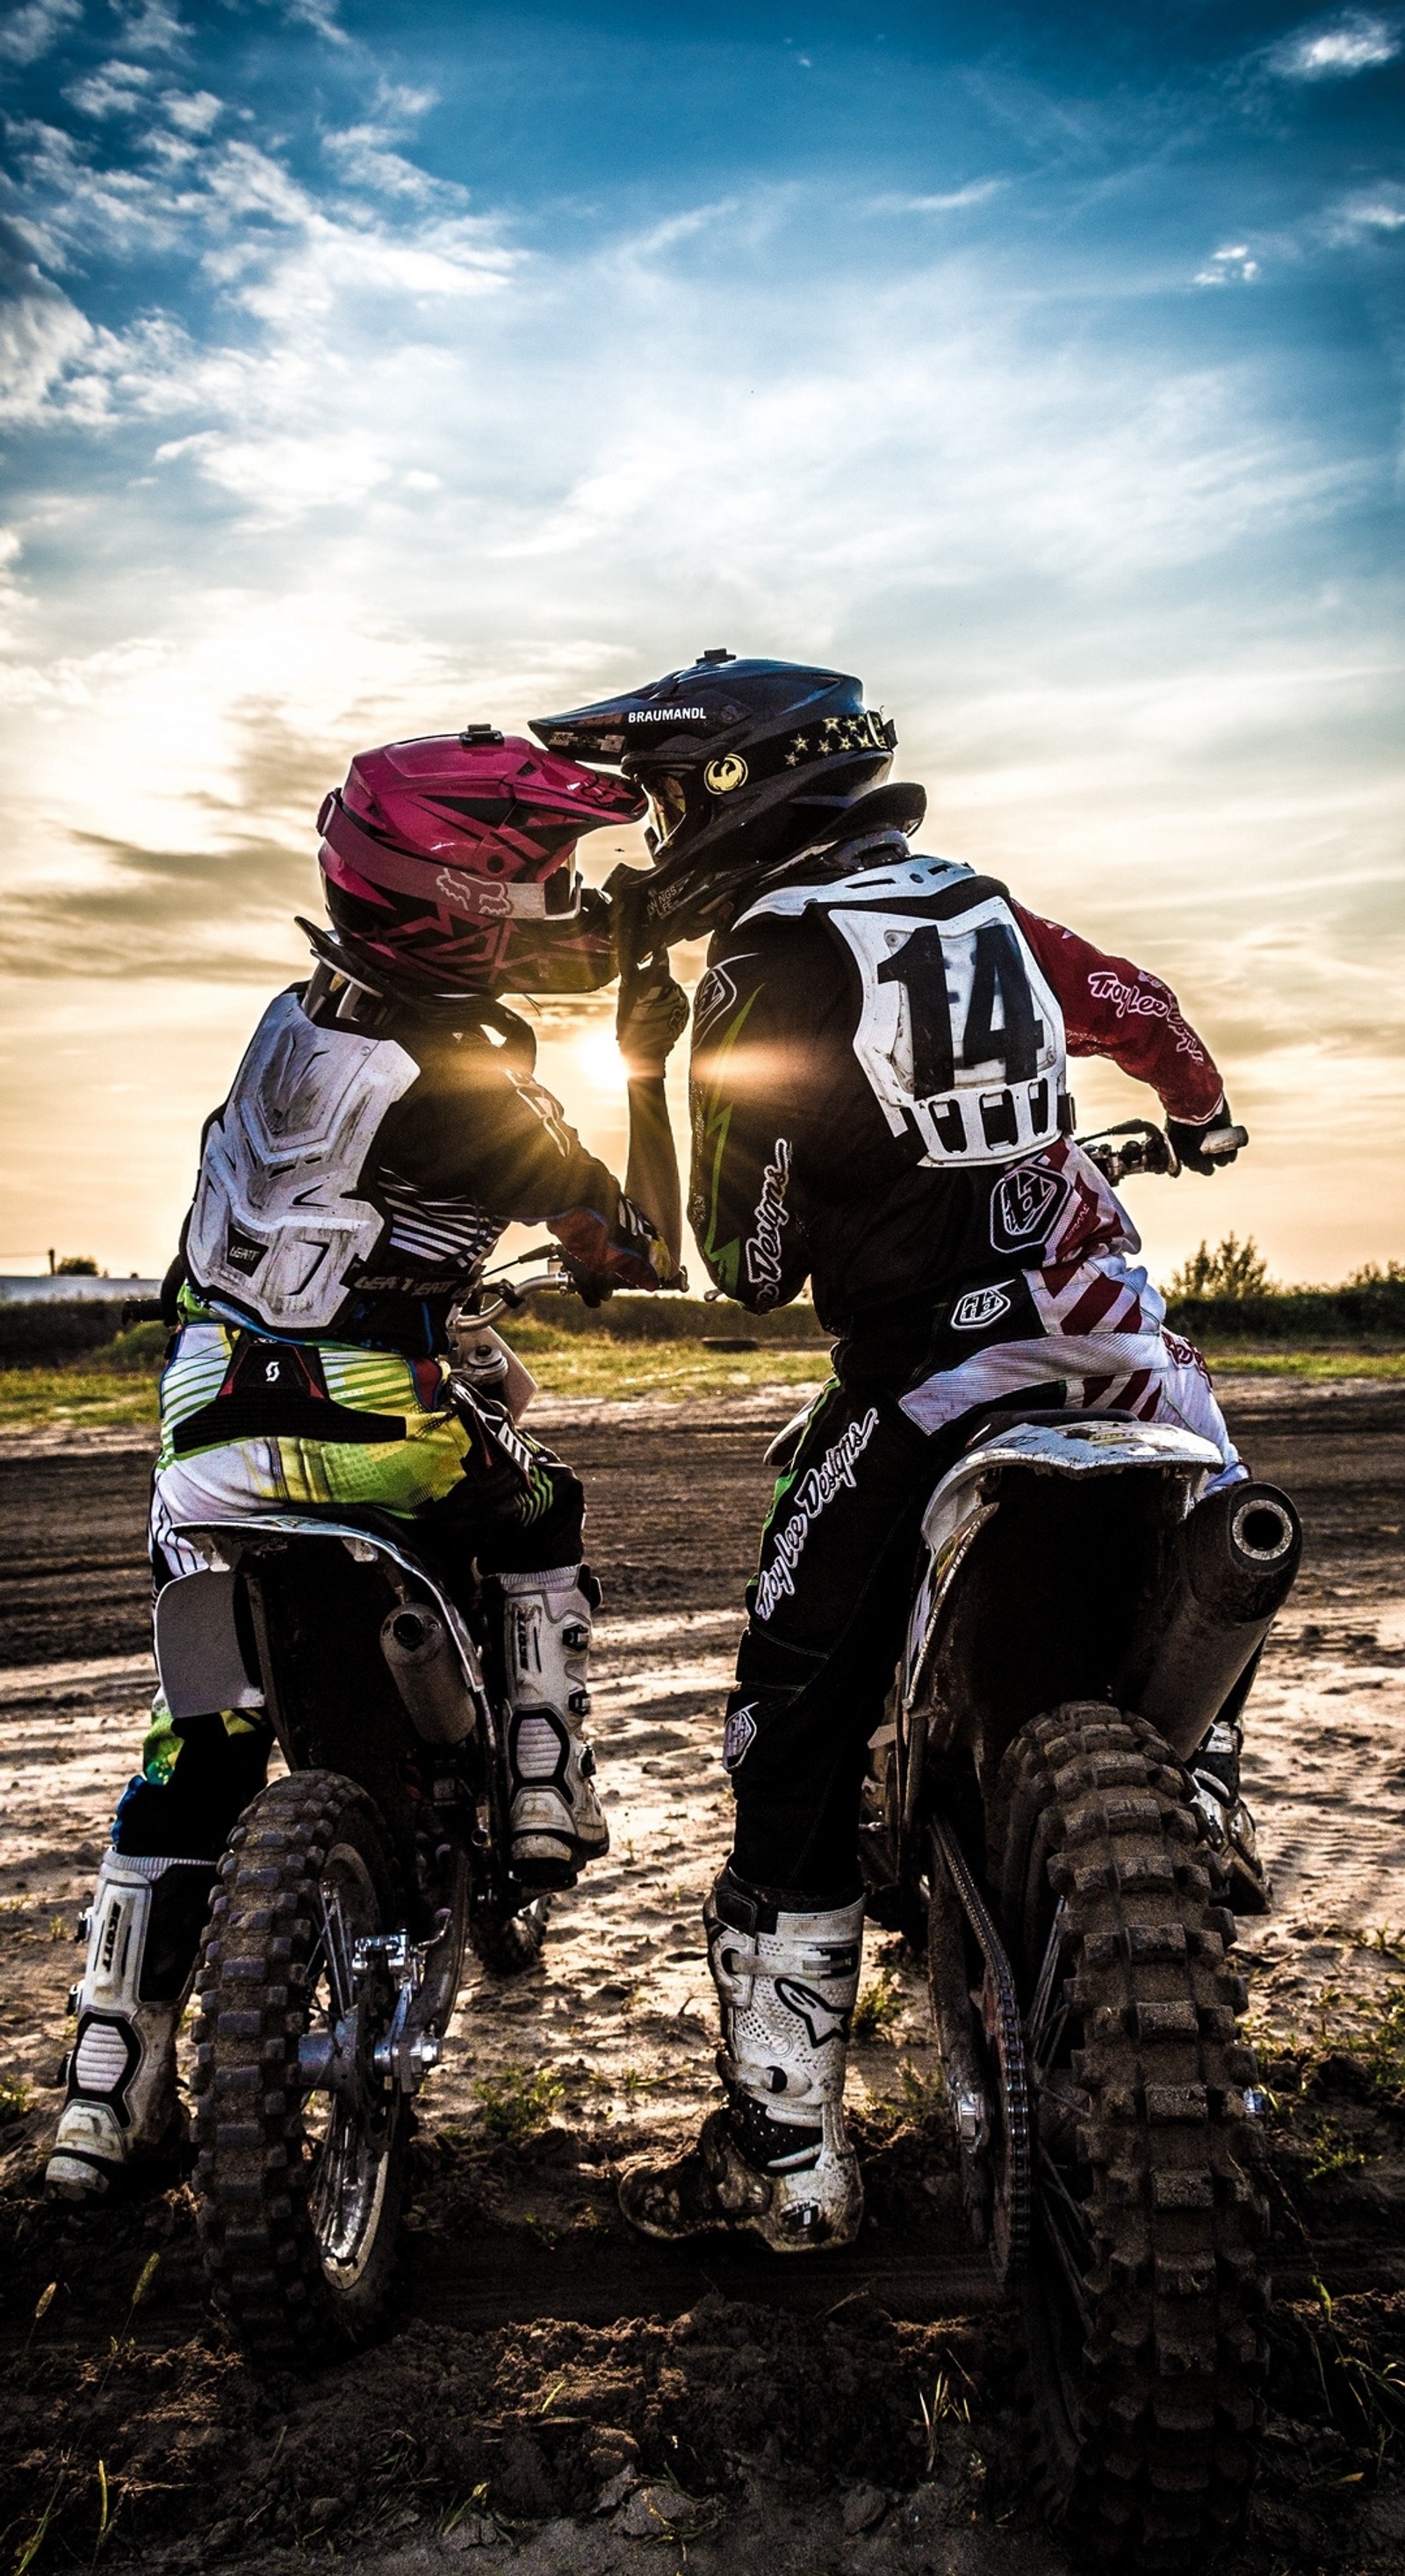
139, 1352
45, 1332
1226, 1296
1233, 1269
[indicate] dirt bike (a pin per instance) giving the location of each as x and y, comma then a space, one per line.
347, 1891
1080, 1618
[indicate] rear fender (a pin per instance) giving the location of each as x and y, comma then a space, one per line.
202, 1644
967, 1500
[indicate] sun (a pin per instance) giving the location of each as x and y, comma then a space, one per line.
596, 1059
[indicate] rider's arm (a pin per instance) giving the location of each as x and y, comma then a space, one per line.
651, 1173
652, 1016
748, 1117
1114, 1008
478, 1128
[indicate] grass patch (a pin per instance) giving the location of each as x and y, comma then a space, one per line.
920, 2096
879, 2008
515, 2105
591, 1365
15, 2099
1337, 2091
53, 1399
88, 1397
595, 1366
1237, 1359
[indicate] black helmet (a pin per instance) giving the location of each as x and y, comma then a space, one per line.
746, 765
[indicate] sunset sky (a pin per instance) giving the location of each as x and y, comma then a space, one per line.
369, 368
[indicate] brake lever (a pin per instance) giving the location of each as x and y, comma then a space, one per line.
1149, 1150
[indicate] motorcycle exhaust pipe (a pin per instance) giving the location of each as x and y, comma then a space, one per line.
1233, 1564
425, 1668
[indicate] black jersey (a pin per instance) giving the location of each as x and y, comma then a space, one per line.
879, 1097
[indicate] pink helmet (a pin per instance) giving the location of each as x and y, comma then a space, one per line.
448, 865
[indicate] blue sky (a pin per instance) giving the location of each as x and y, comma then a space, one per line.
367, 368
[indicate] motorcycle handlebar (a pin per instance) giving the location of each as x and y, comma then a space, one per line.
1149, 1148
515, 1293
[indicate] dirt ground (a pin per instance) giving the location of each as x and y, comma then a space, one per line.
557, 2394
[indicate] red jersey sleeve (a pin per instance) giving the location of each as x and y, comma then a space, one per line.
1113, 1008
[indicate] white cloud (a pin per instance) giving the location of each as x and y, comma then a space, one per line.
151, 27
1370, 210
194, 112
412, 359
1351, 44
1230, 266
115, 89
976, 193
285, 477
41, 338
361, 154
320, 15
33, 30
42, 335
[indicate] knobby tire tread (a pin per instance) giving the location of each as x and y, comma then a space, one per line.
251, 2173
1149, 2457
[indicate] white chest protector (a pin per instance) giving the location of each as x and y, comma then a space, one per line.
276, 1224
959, 1036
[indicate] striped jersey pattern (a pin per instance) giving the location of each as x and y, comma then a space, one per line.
444, 1233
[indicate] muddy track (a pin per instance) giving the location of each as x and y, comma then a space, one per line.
676, 1496
538, 2342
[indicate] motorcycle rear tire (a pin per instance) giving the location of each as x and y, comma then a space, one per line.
298, 2193
1146, 2293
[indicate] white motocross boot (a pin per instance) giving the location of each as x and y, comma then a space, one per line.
557, 1822
777, 2160
121, 2106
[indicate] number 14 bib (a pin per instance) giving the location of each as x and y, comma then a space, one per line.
959, 1036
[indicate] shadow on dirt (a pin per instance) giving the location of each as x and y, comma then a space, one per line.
553, 2374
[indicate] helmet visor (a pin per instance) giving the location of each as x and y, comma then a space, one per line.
668, 797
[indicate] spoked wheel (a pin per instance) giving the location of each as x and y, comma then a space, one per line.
1144, 2294
300, 2172
509, 1943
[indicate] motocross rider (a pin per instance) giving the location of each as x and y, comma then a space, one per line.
880, 1104
382, 1130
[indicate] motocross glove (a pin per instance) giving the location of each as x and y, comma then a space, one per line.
1217, 1133
652, 1012
602, 1257
652, 1016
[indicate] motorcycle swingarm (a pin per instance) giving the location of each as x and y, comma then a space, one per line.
955, 1897
409, 2045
